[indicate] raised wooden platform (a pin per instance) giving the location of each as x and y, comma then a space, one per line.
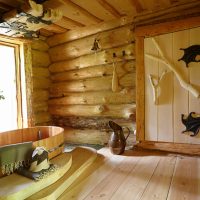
71, 165
138, 175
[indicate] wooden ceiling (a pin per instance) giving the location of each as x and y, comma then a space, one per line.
81, 13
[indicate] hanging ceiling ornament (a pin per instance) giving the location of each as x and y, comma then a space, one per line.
26, 21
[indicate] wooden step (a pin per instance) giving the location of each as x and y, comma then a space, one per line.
82, 157
16, 186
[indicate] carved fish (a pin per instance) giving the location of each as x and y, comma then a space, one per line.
192, 123
190, 54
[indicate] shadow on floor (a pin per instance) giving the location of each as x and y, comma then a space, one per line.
70, 146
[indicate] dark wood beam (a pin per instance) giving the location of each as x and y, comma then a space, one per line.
5, 7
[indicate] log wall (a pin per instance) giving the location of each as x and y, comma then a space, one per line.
41, 82
90, 88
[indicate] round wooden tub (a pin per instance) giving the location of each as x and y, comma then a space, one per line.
50, 137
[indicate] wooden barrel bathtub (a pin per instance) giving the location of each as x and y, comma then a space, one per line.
51, 137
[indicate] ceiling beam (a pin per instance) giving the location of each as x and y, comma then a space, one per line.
109, 8
5, 7
137, 5
45, 33
55, 28
81, 10
73, 22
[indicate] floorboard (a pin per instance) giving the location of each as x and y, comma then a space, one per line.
138, 175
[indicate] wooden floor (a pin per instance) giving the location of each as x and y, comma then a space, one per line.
139, 175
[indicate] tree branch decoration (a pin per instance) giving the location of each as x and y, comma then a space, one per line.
173, 68
155, 83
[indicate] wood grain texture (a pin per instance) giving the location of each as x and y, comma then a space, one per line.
185, 184
86, 31
171, 13
140, 88
141, 175
42, 117
41, 83
40, 72
40, 95
40, 58
194, 71
191, 149
39, 45
68, 23
99, 58
160, 180
166, 96
167, 27
94, 136
27, 53
94, 71
151, 110
92, 98
156, 175
102, 167
121, 110
180, 39
85, 85
175, 100
83, 46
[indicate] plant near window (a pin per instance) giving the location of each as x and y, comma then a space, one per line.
1, 96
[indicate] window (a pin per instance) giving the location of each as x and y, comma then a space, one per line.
12, 87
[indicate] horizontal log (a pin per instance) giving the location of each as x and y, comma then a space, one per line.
88, 136
117, 54
94, 123
101, 97
94, 71
40, 72
39, 45
40, 58
92, 84
85, 136
40, 107
80, 47
42, 117
127, 80
41, 83
55, 28
45, 33
40, 95
86, 31
99, 58
78, 63
121, 111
